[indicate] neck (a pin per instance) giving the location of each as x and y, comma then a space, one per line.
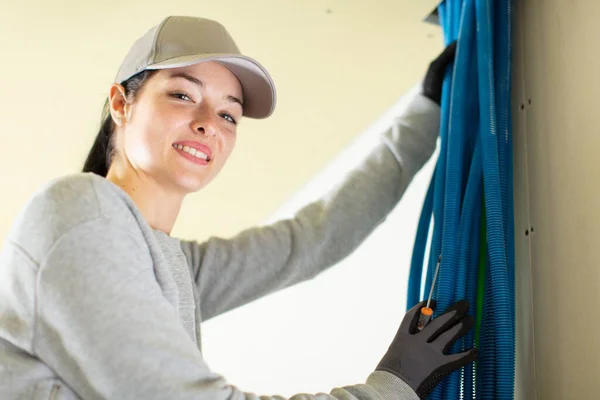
160, 205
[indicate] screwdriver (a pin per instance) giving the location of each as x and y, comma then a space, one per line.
427, 312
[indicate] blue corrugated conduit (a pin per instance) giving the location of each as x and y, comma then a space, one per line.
469, 200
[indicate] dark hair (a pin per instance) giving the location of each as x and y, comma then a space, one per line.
102, 152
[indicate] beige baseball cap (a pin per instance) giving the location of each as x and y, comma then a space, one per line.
180, 41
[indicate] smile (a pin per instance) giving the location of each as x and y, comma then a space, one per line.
193, 154
192, 151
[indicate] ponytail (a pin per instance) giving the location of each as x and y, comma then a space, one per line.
100, 156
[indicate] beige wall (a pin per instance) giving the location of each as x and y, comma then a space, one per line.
337, 64
557, 170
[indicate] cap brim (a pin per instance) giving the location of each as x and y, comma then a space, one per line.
257, 86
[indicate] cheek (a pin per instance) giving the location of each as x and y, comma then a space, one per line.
140, 148
229, 140
147, 136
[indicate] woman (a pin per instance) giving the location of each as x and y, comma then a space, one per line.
98, 301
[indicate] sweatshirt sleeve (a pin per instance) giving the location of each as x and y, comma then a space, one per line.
103, 326
258, 261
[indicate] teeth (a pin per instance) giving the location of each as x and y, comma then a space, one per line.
192, 151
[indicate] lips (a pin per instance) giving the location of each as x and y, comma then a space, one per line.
198, 148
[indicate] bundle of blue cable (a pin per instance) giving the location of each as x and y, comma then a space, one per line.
470, 199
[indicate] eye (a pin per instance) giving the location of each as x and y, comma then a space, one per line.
229, 118
181, 96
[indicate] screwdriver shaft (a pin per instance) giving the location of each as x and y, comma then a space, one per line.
437, 269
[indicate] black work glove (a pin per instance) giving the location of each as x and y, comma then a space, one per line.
419, 357
432, 84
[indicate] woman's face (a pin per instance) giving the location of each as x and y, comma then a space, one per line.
181, 129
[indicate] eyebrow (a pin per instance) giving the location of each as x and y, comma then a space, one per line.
198, 82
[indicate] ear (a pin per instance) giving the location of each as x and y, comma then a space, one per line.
118, 104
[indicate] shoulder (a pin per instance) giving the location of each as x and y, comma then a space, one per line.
63, 204
68, 200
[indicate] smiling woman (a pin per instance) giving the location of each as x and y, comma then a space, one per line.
99, 301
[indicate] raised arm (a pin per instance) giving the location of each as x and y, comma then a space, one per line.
261, 260
104, 327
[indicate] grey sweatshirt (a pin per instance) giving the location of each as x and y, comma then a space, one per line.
95, 304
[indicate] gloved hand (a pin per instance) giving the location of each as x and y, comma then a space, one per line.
432, 84
419, 357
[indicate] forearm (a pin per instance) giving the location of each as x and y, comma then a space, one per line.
265, 259
378, 386
259, 261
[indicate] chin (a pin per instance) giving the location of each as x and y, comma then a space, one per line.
190, 183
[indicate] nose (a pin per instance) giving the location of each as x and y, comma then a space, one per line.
206, 129
205, 124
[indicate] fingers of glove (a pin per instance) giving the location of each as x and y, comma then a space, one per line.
447, 55
411, 318
445, 321
449, 364
447, 339
459, 360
